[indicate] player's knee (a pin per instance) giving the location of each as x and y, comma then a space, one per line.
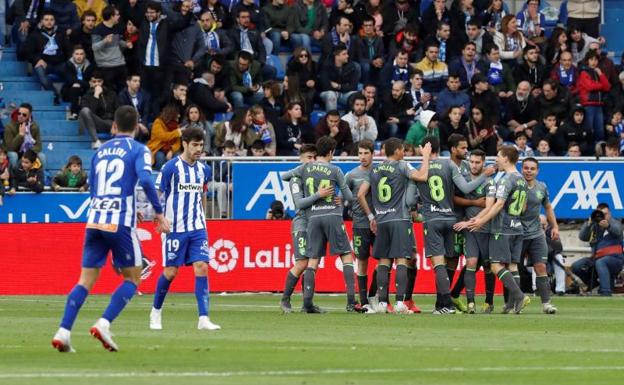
170, 272
540, 269
471, 263
362, 267
201, 269
347, 258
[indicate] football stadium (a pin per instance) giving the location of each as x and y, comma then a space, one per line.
311, 191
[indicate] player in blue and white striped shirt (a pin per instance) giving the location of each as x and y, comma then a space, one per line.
111, 226
183, 181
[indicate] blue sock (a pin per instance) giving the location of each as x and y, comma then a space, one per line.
202, 296
75, 299
161, 291
119, 300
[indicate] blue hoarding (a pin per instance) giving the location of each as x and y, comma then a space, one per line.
52, 207
575, 188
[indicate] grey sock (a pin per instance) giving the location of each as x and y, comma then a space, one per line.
308, 287
289, 286
382, 282
362, 288
506, 278
349, 277
470, 282
443, 286
543, 288
411, 281
401, 282
516, 277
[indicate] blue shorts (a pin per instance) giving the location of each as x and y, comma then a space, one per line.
185, 248
124, 245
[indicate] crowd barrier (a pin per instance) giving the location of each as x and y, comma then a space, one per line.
246, 256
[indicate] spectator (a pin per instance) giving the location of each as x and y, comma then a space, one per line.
25, 20
133, 11
522, 112
396, 15
579, 43
409, 150
222, 181
509, 40
22, 135
292, 93
612, 148
71, 176
246, 80
550, 131
293, 130
82, 35
492, 16
531, 69
339, 78
369, 8
615, 101
308, 23
67, 18
272, 103
234, 130
426, 125
543, 149
45, 49
461, 12
257, 148
177, 97
245, 38
257, 23
202, 93
616, 129
5, 174
421, 100
371, 51
306, 71
574, 150
452, 123
276, 211
218, 66
277, 17
194, 118
604, 234
435, 72
98, 109
530, 22
592, 88
373, 105
584, 15
565, 72
605, 64
448, 49
398, 112
260, 129
482, 95
482, 133
398, 69
499, 75
28, 174
188, 47
363, 127
406, 40
466, 65
164, 141
131, 55
216, 39
77, 72
557, 44
219, 14
575, 131
554, 99
479, 37
521, 140
452, 96
331, 125
435, 14
94, 7
133, 95
107, 45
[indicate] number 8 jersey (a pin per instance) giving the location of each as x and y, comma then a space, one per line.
438, 191
114, 174
513, 189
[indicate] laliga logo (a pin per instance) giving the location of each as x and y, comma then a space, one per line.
273, 186
587, 188
223, 256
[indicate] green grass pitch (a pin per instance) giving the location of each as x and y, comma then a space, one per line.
583, 344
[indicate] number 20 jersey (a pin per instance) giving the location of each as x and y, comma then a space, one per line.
113, 178
513, 189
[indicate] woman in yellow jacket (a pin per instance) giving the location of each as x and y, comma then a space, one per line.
164, 141
95, 5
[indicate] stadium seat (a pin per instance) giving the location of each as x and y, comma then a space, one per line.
223, 116
279, 67
315, 116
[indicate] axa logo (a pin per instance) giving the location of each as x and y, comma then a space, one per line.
78, 213
223, 256
587, 187
273, 186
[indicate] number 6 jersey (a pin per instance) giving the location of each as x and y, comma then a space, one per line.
388, 182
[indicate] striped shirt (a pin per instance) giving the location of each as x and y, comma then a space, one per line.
183, 186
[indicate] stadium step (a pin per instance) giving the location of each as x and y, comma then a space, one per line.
66, 138
12, 68
9, 56
28, 79
65, 147
67, 128
20, 86
41, 115
36, 98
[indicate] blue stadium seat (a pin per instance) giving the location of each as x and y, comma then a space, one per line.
223, 116
279, 67
315, 116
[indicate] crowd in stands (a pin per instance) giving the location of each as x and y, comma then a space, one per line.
355, 69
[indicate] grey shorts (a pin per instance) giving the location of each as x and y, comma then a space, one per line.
363, 240
439, 238
394, 240
505, 248
329, 228
477, 246
300, 240
536, 250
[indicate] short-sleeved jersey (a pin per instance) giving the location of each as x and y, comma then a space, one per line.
438, 191
113, 177
389, 181
183, 186
300, 221
512, 188
537, 197
487, 189
355, 178
320, 174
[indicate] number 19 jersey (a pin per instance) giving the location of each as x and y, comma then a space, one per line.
388, 182
438, 191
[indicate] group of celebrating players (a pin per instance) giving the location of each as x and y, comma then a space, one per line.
464, 210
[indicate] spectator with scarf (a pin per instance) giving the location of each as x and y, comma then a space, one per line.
406, 40
260, 129
22, 134
246, 80
465, 65
509, 40
77, 72
340, 34
565, 72
396, 70
421, 99
499, 75
164, 141
71, 176
448, 46
531, 23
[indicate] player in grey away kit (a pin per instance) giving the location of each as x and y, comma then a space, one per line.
391, 221
299, 225
505, 244
534, 245
437, 193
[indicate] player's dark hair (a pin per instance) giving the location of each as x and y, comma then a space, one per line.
510, 153
192, 134
455, 139
126, 119
307, 147
435, 143
325, 146
366, 144
391, 145
478, 152
530, 159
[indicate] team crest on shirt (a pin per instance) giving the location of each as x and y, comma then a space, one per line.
540, 195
